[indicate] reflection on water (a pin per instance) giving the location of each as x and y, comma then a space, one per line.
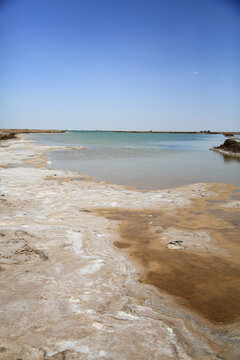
144, 160
229, 159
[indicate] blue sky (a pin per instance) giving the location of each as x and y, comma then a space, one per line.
120, 64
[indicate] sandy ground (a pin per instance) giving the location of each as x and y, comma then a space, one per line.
90, 270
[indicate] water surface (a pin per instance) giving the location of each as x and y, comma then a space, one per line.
143, 160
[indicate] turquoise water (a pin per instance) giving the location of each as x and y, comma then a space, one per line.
143, 160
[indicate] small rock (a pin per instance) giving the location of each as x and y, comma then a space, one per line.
175, 245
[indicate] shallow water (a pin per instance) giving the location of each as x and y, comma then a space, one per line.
143, 160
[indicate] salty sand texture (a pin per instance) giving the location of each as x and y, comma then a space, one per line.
90, 270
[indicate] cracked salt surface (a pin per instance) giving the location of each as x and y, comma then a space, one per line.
91, 268
75, 239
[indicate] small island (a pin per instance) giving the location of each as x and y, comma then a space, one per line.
230, 147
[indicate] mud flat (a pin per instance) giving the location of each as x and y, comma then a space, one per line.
90, 270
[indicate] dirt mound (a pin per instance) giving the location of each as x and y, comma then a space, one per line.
230, 145
5, 135
228, 134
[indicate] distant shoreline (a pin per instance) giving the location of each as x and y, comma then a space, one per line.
6, 134
11, 133
226, 133
22, 131
25, 131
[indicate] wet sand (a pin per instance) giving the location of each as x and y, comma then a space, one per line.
90, 270
202, 278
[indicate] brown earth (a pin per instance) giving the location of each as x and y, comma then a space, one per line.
230, 145
207, 282
5, 135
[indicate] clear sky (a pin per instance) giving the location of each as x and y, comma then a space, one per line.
120, 64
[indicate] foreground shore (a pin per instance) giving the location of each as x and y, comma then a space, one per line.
91, 270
